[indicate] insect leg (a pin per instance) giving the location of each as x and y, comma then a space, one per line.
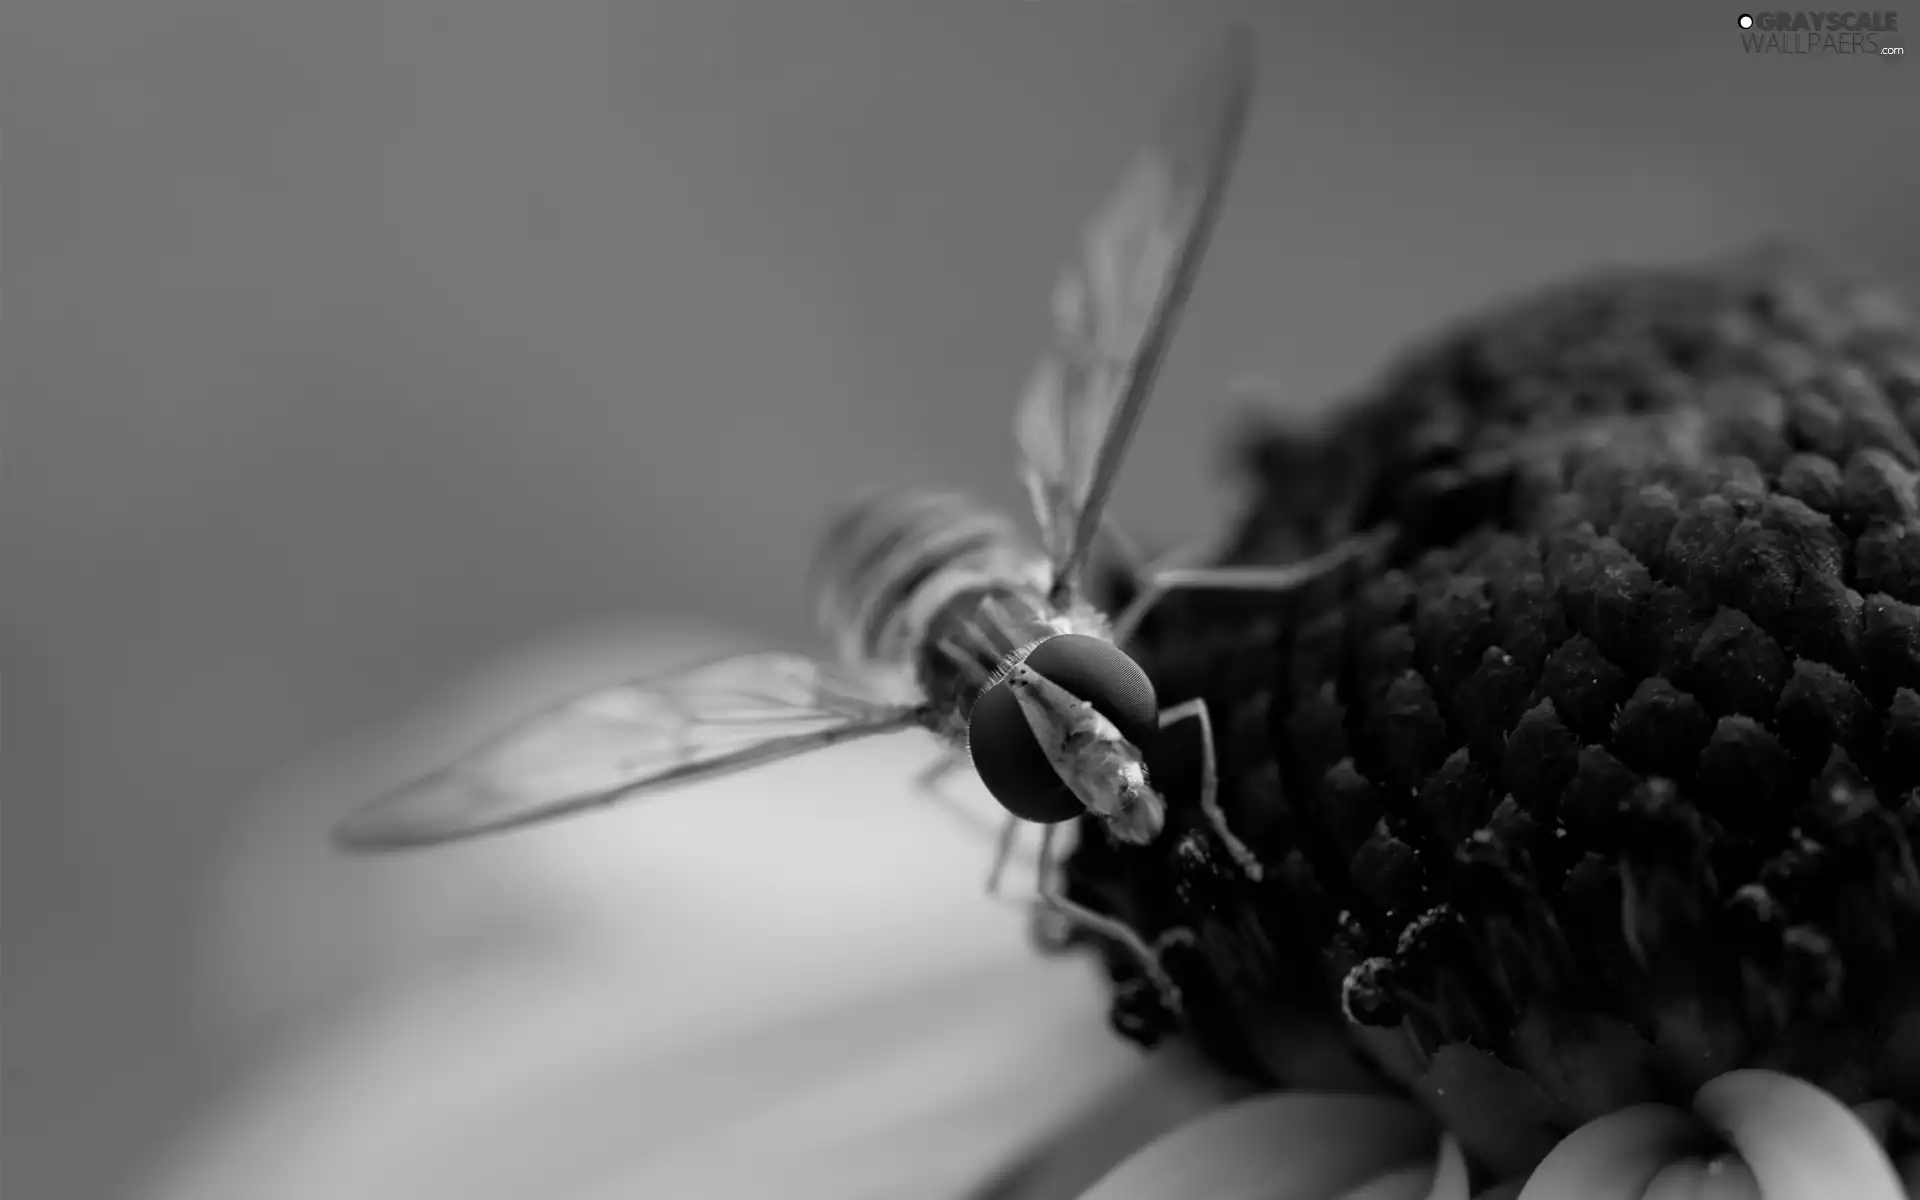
1141, 569
1272, 579
929, 783
1196, 709
1138, 563
929, 780
1105, 926
1002, 853
1005, 835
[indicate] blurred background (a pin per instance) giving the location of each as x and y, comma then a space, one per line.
373, 367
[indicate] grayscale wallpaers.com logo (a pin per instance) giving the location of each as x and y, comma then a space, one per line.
1876, 33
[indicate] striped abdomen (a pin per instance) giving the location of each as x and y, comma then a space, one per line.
893, 564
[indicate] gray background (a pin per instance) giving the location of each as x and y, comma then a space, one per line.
349, 342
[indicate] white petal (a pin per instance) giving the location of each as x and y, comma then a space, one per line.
491, 1090
1443, 1179
1725, 1177
1616, 1156
1173, 1086
1450, 1177
1801, 1143
1287, 1146
731, 978
1403, 1183
1795, 1141
921, 1105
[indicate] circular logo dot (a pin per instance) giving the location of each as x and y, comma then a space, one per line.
1746, 21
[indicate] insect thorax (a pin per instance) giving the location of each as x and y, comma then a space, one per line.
893, 560
975, 637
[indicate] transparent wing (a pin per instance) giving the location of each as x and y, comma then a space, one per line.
621, 741
1115, 308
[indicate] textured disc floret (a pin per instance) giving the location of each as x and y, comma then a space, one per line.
1603, 781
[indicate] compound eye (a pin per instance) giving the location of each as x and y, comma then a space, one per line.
1011, 763
1007, 755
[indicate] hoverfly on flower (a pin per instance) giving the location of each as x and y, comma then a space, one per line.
946, 619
